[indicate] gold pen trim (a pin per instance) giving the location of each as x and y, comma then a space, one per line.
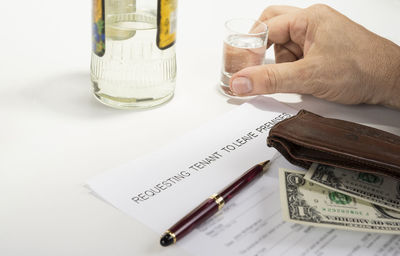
219, 200
171, 234
265, 165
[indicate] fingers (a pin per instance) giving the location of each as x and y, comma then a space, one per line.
276, 10
270, 12
287, 52
273, 78
282, 54
285, 24
288, 27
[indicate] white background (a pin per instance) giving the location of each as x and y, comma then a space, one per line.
54, 135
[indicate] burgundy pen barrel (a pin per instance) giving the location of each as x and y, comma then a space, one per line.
234, 188
210, 206
201, 213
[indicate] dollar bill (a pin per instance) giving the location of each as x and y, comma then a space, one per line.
380, 190
307, 203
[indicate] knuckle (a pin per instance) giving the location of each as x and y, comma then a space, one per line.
270, 79
319, 11
320, 7
269, 11
299, 28
308, 77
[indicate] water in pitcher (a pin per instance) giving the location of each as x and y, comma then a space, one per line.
133, 72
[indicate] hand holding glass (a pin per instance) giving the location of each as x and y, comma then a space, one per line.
244, 46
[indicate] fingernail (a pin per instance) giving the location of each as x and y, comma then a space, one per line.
242, 85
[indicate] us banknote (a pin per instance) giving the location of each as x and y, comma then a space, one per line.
307, 203
380, 190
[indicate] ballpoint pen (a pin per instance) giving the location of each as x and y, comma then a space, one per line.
211, 205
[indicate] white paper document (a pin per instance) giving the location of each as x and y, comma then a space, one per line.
161, 188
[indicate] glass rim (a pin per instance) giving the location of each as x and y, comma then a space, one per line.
246, 33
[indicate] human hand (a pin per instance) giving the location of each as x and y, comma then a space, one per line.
319, 51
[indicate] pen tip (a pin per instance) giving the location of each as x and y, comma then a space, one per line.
265, 163
166, 240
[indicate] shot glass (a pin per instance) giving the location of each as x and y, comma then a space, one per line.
245, 43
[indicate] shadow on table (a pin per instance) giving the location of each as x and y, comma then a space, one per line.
70, 94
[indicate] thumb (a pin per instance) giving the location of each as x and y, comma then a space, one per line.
272, 78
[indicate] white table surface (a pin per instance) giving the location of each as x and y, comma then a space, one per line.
54, 135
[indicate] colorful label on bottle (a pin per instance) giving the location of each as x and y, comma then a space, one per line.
166, 23
98, 28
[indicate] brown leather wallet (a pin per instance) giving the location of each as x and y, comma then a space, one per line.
306, 138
